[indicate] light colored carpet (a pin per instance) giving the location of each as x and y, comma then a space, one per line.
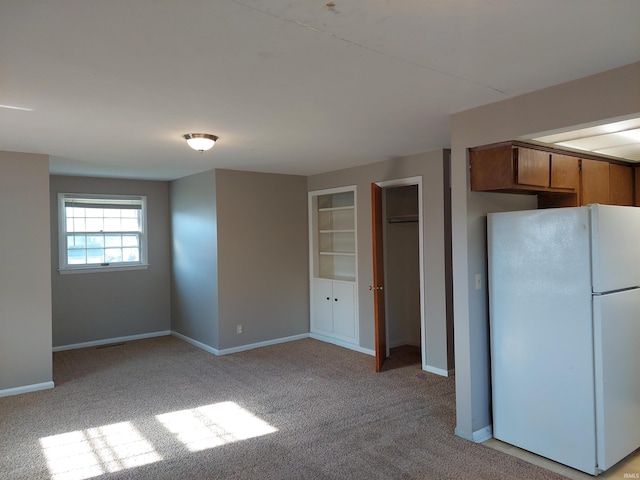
300, 410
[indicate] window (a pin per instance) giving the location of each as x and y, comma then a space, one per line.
101, 232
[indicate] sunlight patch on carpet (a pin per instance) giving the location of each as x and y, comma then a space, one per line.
95, 451
214, 425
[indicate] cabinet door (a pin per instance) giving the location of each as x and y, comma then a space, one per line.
344, 319
595, 182
533, 167
322, 305
637, 172
492, 168
565, 171
621, 184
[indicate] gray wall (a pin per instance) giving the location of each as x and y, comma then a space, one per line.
263, 256
605, 96
194, 280
97, 306
401, 269
25, 278
430, 166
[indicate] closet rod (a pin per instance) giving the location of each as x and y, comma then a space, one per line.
404, 219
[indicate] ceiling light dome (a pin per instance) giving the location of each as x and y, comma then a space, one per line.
200, 141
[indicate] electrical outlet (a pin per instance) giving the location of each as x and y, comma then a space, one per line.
478, 281
239, 329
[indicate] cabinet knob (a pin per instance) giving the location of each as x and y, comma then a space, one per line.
371, 288
336, 299
328, 298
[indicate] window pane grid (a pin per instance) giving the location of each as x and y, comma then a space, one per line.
102, 219
102, 230
98, 248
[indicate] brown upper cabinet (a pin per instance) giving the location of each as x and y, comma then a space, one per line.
621, 184
565, 171
559, 178
607, 183
494, 168
531, 167
595, 183
519, 169
637, 182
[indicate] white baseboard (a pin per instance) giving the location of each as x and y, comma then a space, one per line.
483, 434
341, 343
195, 343
36, 387
438, 371
266, 343
240, 348
107, 341
479, 436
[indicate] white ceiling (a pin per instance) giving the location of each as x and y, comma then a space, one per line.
289, 87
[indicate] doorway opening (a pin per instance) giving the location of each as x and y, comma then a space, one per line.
400, 314
401, 240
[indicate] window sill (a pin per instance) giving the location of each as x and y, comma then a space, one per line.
107, 268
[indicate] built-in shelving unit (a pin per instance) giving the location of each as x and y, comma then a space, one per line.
333, 219
333, 264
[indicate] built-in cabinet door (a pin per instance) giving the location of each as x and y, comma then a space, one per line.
334, 309
637, 182
595, 182
533, 167
564, 171
322, 305
621, 184
343, 309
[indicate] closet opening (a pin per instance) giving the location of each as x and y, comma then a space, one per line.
398, 275
401, 241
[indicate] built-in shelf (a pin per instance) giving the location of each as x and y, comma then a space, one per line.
335, 209
333, 233
333, 264
339, 278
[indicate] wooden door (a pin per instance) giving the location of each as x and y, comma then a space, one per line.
378, 277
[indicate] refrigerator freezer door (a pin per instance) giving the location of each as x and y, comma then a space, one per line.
617, 372
615, 236
541, 333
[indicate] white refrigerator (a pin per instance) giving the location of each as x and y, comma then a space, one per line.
564, 307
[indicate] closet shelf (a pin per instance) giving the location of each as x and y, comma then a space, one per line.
335, 209
403, 219
343, 254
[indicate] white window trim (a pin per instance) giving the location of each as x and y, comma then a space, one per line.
65, 269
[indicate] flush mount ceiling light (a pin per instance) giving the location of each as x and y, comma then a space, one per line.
200, 141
